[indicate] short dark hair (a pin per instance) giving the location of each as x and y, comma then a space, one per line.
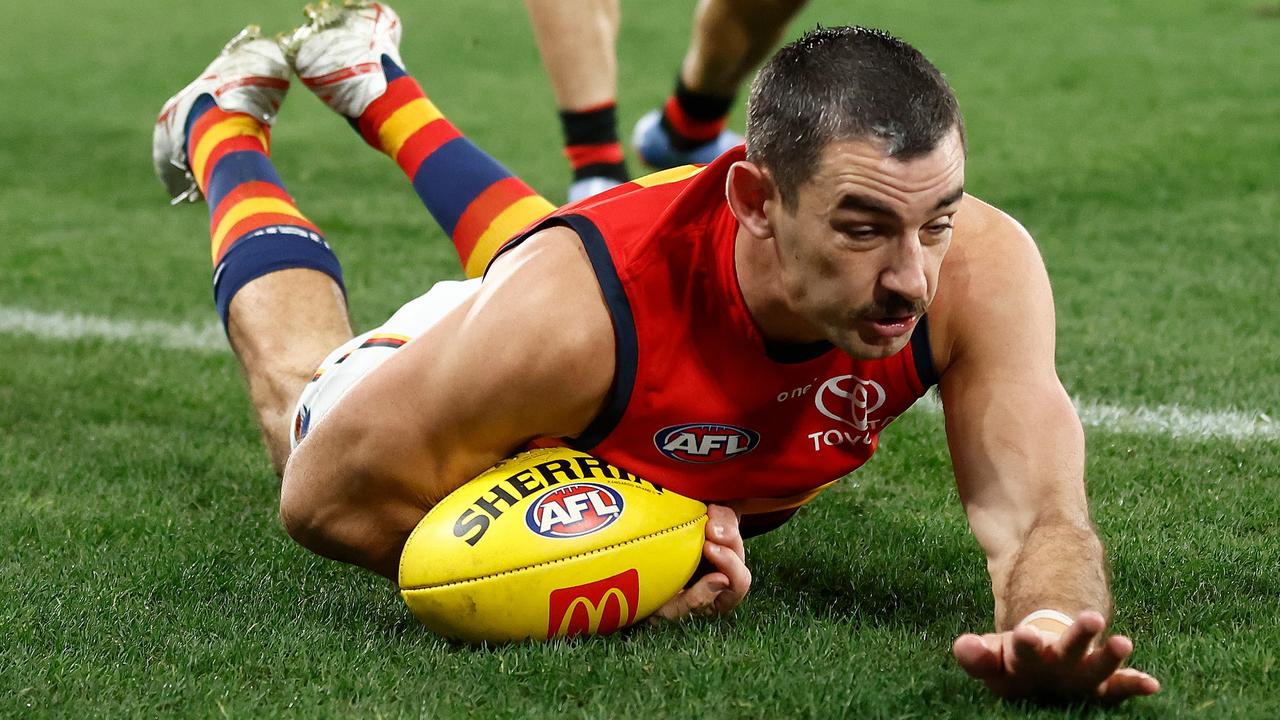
839, 83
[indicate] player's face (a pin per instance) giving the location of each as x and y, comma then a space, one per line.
860, 254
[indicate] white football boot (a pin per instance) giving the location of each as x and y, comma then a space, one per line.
590, 186
338, 52
250, 76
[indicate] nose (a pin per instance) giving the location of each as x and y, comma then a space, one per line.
905, 272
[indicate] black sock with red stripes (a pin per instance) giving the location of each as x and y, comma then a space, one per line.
591, 143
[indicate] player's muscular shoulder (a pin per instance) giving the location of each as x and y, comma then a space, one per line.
540, 318
993, 292
549, 283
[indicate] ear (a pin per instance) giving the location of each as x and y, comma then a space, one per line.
749, 188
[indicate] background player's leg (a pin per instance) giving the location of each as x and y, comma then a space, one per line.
349, 56
277, 285
576, 39
730, 37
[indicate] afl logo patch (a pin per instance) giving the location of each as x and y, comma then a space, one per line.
705, 442
574, 510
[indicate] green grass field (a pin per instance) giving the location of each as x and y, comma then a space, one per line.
146, 574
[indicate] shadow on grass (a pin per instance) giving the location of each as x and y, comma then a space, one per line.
901, 573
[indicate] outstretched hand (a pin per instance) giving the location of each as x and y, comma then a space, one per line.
720, 591
1079, 664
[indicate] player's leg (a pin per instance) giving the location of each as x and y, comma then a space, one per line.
730, 37
281, 325
277, 285
576, 39
349, 56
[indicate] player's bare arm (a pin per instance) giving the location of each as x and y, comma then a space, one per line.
531, 355
1018, 451
452, 402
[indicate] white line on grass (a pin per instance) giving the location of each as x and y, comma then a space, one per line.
70, 326
1167, 420
1177, 421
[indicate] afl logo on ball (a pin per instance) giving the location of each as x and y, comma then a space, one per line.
705, 442
574, 510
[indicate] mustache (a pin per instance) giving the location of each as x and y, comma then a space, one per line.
896, 306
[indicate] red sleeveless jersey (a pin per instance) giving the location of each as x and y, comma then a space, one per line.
701, 402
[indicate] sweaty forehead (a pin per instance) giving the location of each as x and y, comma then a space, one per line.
862, 169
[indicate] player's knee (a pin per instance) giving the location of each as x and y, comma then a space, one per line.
313, 514
332, 529
321, 512
308, 518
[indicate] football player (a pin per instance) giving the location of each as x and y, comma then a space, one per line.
798, 294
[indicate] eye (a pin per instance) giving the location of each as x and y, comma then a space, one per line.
937, 231
861, 232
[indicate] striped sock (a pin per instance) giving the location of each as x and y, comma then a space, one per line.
254, 226
477, 202
692, 119
591, 142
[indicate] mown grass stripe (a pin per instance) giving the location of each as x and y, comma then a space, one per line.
1161, 420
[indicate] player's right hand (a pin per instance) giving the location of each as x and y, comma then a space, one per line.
1081, 663
718, 592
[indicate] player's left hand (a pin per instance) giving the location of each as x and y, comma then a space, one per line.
1079, 664
720, 591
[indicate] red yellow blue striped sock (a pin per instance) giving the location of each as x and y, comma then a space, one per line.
255, 227
477, 201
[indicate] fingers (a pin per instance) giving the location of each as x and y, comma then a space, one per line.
1104, 661
698, 598
983, 658
713, 594
724, 549
980, 656
722, 529
731, 566
1028, 646
720, 591
1127, 683
1077, 639
1027, 662
1100, 663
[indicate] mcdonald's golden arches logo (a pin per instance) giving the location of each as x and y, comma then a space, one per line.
595, 608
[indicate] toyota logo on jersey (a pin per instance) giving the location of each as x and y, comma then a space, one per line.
705, 442
574, 510
853, 398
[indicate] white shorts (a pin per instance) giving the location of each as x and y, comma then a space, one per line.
353, 360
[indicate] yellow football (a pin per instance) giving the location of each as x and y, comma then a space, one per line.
547, 544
